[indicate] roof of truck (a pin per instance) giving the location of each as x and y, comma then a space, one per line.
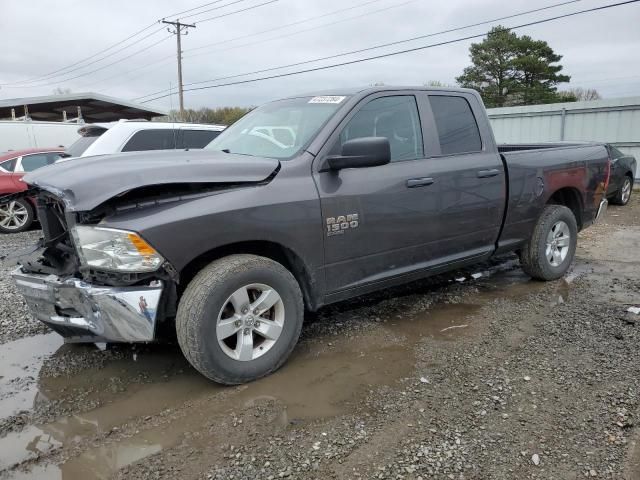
381, 88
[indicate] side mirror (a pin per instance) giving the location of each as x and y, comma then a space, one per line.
362, 152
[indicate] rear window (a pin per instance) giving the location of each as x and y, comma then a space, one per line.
143, 140
197, 138
78, 147
8, 165
456, 125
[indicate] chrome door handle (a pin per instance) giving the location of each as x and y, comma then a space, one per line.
419, 182
489, 173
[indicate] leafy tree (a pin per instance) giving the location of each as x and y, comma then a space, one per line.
512, 70
436, 83
222, 116
579, 95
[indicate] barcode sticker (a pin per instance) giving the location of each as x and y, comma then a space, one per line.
327, 99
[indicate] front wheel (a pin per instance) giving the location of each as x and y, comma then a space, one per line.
552, 246
240, 318
16, 216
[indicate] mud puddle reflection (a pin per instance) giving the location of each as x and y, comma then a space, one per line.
325, 377
20, 363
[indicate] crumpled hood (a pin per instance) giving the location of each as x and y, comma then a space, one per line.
86, 182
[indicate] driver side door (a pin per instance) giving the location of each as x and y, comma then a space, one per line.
379, 222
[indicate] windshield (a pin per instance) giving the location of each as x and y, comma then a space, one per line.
278, 129
78, 147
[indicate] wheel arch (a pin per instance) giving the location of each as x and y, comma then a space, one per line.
272, 250
571, 198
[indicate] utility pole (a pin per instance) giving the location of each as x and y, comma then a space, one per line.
178, 32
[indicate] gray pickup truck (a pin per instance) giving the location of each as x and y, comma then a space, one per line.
303, 202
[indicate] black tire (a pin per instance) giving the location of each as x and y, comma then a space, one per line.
533, 256
205, 297
618, 198
23, 205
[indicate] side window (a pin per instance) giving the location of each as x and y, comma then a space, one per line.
457, 128
615, 153
161, 139
197, 138
395, 118
8, 165
37, 160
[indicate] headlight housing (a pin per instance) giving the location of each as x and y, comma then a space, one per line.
115, 250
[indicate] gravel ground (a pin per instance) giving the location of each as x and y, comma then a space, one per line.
15, 320
490, 378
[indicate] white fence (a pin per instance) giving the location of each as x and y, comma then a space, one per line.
614, 121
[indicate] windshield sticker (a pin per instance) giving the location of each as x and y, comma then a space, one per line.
327, 99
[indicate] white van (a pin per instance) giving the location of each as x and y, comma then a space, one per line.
23, 134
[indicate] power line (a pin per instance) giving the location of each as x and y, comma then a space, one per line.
316, 17
409, 50
306, 30
257, 33
235, 11
129, 71
107, 65
176, 14
48, 81
214, 8
70, 68
43, 77
420, 37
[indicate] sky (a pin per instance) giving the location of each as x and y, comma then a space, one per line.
50, 44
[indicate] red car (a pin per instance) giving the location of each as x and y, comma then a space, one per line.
18, 215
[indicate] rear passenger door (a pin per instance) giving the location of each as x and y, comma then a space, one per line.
154, 139
470, 173
194, 138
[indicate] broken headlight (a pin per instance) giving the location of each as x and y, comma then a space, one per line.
115, 250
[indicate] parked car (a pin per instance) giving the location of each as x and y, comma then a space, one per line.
229, 245
623, 169
18, 215
134, 136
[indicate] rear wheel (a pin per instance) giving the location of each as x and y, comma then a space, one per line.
552, 246
624, 194
240, 318
16, 216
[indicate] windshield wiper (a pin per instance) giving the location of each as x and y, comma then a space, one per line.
225, 150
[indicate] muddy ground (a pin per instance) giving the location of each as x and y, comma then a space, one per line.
483, 374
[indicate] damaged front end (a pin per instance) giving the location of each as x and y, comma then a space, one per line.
92, 281
81, 303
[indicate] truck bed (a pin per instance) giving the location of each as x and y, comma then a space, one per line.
516, 147
574, 172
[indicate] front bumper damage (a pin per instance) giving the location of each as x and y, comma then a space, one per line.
82, 312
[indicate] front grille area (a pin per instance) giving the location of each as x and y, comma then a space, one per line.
51, 217
55, 253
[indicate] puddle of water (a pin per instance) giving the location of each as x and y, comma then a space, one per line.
20, 362
30, 443
324, 378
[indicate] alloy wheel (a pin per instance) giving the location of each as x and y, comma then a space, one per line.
558, 243
13, 215
250, 322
